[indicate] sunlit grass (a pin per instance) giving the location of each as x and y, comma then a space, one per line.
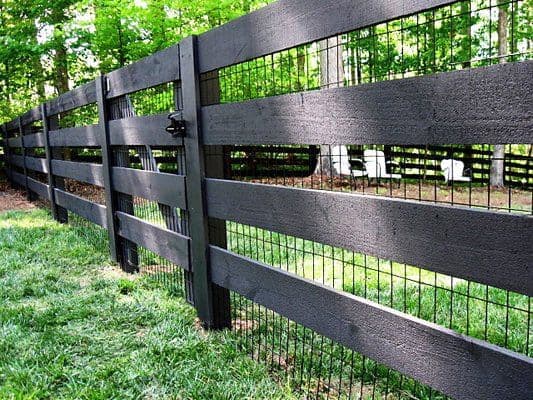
480, 311
73, 327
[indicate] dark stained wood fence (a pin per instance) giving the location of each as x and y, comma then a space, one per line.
495, 108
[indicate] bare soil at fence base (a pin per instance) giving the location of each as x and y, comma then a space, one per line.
11, 199
498, 198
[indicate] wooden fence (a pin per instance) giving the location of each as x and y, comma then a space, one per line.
196, 200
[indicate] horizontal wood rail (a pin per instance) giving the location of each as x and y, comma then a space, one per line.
434, 109
440, 238
15, 142
150, 71
86, 136
18, 178
163, 188
11, 125
290, 23
17, 160
83, 172
163, 242
146, 131
456, 365
37, 164
34, 140
93, 212
38, 187
31, 116
76, 98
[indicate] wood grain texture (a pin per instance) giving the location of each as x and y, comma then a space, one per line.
168, 189
115, 245
93, 212
439, 238
37, 164
31, 116
459, 366
289, 23
18, 178
15, 142
16, 160
38, 187
436, 109
85, 136
159, 68
165, 243
76, 98
205, 293
34, 140
83, 172
144, 131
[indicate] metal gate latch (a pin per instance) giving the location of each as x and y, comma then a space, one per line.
177, 127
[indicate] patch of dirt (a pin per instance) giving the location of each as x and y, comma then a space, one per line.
11, 199
244, 325
116, 273
459, 194
200, 328
157, 269
89, 192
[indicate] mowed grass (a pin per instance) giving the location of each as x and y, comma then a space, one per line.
495, 315
73, 327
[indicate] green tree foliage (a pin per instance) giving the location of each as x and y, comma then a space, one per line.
49, 47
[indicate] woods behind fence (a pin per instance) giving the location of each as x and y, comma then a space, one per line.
211, 169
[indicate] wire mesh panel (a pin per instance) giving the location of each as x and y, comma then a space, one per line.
467, 34
84, 180
94, 235
462, 35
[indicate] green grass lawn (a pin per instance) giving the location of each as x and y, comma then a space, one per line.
497, 316
73, 327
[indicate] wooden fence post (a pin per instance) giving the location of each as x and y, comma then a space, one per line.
57, 154
58, 213
29, 197
5, 147
211, 301
9, 167
107, 165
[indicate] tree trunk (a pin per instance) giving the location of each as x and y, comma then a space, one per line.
331, 75
497, 165
61, 69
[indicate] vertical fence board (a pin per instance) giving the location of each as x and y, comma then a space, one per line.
21, 133
57, 154
48, 152
216, 160
5, 145
210, 301
107, 163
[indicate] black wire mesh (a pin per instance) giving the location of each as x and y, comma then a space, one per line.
154, 100
463, 35
438, 174
81, 116
92, 234
458, 36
